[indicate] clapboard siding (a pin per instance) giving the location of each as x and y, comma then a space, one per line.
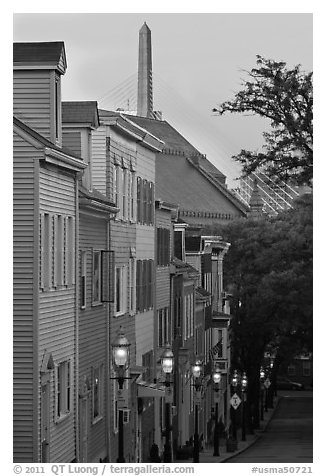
162, 287
145, 236
93, 323
72, 140
32, 99
57, 192
145, 163
23, 299
99, 159
144, 334
57, 312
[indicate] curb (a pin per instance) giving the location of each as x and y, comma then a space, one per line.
258, 436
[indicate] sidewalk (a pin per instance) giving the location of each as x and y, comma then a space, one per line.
206, 456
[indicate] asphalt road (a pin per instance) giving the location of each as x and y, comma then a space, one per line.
289, 435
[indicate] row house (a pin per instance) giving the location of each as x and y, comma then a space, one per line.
123, 167
95, 291
45, 308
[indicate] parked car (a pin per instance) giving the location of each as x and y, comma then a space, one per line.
283, 383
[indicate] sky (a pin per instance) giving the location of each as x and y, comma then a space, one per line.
199, 61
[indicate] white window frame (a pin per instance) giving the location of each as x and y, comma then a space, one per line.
132, 196
63, 385
96, 296
122, 290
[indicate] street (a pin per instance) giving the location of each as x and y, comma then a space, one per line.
289, 435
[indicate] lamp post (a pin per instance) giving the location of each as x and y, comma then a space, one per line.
234, 384
262, 388
197, 370
244, 385
167, 361
120, 359
216, 377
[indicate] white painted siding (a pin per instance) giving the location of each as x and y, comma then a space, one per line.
99, 170
144, 334
23, 299
57, 331
32, 99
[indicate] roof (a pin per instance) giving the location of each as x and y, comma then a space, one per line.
175, 142
47, 53
126, 126
85, 112
202, 186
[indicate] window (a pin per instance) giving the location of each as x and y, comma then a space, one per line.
83, 261
124, 190
163, 246
59, 250
116, 185
164, 327
46, 251
120, 290
219, 344
70, 251
132, 196
98, 392
144, 285
63, 387
96, 281
132, 285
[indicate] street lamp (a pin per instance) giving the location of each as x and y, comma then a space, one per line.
244, 385
197, 370
262, 388
120, 360
216, 377
167, 362
234, 384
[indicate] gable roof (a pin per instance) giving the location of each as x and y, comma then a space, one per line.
128, 127
201, 180
80, 112
175, 143
45, 53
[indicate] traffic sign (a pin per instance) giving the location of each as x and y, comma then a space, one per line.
235, 401
122, 398
267, 383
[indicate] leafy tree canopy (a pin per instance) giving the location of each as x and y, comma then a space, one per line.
285, 97
268, 270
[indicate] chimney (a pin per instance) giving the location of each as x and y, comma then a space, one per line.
145, 89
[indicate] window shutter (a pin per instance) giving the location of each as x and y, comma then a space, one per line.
144, 201
138, 284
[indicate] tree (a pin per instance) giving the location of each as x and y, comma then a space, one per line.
268, 270
285, 97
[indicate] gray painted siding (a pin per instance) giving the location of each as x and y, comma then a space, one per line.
57, 333
93, 329
32, 101
23, 305
72, 140
99, 159
57, 192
